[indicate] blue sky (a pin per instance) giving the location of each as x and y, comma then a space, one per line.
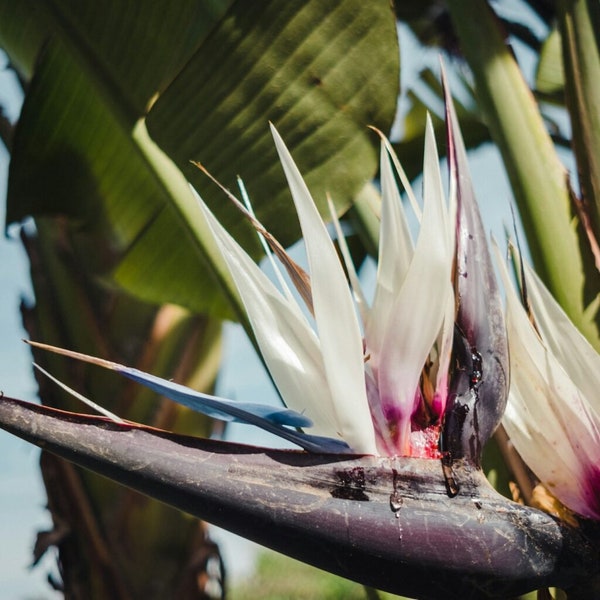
22, 497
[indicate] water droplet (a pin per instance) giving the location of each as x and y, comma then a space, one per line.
451, 485
395, 497
395, 502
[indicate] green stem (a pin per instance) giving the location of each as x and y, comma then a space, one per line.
539, 181
582, 91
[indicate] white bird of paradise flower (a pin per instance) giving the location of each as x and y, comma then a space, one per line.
381, 387
553, 412
406, 378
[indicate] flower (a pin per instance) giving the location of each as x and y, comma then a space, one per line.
389, 385
364, 390
423, 372
553, 413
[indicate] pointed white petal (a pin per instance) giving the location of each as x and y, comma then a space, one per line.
396, 245
548, 418
288, 345
444, 346
421, 303
283, 286
359, 297
579, 359
81, 397
401, 173
395, 254
549, 422
335, 315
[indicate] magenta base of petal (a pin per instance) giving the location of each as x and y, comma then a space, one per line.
424, 443
592, 492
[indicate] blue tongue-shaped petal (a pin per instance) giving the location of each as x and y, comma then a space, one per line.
272, 419
479, 381
214, 406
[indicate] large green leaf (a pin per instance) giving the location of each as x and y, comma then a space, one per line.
80, 158
112, 542
311, 69
321, 72
141, 45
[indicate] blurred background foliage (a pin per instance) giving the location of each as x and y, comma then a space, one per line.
120, 97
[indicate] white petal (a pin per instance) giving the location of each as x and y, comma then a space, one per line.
421, 303
403, 178
359, 297
548, 418
287, 343
395, 254
395, 242
579, 359
444, 346
335, 316
556, 435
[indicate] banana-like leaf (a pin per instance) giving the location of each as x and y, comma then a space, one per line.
581, 59
550, 75
112, 542
557, 242
312, 68
388, 523
128, 39
430, 22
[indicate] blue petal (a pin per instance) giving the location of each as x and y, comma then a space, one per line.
213, 406
272, 419
266, 417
